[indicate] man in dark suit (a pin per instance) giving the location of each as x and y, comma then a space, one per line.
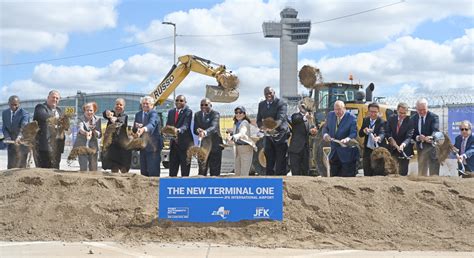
301, 129
147, 121
206, 126
275, 141
373, 130
400, 132
14, 119
425, 123
180, 117
465, 144
341, 125
50, 145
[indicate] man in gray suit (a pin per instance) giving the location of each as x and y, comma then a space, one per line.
14, 119
425, 123
49, 146
276, 141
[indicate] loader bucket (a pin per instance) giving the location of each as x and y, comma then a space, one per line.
220, 94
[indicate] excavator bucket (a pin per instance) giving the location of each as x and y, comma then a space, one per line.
221, 94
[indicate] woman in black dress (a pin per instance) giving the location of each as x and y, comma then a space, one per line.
115, 154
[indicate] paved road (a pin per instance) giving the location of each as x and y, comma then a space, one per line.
195, 250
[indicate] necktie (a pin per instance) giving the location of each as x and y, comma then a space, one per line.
463, 146
420, 129
370, 140
399, 123
13, 115
269, 104
144, 117
176, 115
337, 123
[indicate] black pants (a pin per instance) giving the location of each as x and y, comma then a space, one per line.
402, 164
366, 163
337, 168
178, 158
275, 154
299, 162
17, 156
48, 159
213, 163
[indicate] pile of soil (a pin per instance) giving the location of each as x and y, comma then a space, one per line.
373, 213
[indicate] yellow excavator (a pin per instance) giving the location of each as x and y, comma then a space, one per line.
225, 91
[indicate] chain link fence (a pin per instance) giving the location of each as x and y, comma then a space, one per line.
438, 104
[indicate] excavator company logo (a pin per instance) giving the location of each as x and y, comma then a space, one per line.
163, 86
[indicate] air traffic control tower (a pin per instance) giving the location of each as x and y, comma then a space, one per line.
292, 32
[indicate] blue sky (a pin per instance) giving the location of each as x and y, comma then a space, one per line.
407, 48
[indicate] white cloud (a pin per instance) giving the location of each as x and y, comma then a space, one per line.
138, 69
36, 25
405, 60
432, 66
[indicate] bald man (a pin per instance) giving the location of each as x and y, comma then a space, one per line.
276, 144
14, 119
341, 125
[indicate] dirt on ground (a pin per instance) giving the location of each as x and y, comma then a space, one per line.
372, 213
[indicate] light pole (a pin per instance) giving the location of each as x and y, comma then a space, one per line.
174, 48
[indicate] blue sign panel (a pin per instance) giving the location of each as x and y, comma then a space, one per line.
220, 199
456, 114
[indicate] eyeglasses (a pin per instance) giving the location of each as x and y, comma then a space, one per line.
179, 100
238, 113
204, 105
464, 129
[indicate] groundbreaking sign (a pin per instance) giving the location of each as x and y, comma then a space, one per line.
220, 199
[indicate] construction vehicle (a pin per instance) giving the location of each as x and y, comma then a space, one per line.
323, 95
225, 91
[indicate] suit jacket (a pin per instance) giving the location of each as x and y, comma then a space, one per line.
278, 111
43, 138
153, 128
404, 135
469, 151
185, 137
347, 128
81, 139
299, 133
430, 126
379, 130
12, 128
210, 123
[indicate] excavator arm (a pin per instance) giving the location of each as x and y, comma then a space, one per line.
225, 91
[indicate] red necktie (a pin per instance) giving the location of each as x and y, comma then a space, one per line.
176, 117
398, 125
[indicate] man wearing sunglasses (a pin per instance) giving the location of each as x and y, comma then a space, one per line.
465, 144
426, 123
206, 126
276, 144
180, 117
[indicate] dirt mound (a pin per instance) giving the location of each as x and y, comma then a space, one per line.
374, 213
